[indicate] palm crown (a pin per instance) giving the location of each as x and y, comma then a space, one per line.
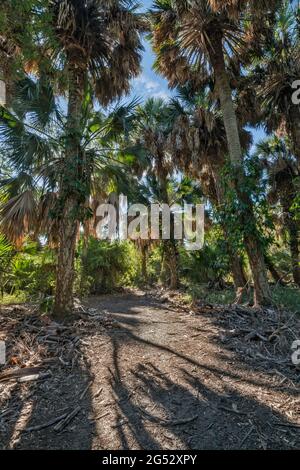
33, 139
102, 37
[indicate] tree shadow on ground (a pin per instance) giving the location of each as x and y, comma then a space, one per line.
187, 414
162, 394
36, 403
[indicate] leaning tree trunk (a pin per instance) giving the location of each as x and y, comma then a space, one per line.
69, 198
262, 294
273, 271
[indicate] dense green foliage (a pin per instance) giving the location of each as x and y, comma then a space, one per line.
107, 266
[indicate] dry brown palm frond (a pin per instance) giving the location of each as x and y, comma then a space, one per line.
46, 223
233, 7
184, 33
18, 217
103, 39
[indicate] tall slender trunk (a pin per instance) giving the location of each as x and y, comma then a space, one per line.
169, 271
236, 262
292, 226
294, 247
144, 253
69, 222
262, 295
173, 266
274, 273
293, 127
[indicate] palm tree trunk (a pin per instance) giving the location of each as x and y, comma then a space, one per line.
293, 230
294, 130
173, 265
294, 247
236, 263
262, 295
65, 262
292, 227
273, 271
144, 251
169, 271
69, 199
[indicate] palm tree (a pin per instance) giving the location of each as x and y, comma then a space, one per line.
98, 43
201, 37
7, 253
283, 173
33, 140
16, 41
152, 131
274, 74
199, 148
31, 155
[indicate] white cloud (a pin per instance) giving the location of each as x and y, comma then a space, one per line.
161, 95
146, 87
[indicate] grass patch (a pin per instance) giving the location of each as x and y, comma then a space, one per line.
287, 297
284, 297
10, 299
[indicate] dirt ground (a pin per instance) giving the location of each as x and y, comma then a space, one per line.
141, 372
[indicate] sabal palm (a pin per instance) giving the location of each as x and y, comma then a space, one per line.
33, 140
275, 73
193, 37
16, 40
152, 131
283, 174
99, 44
199, 147
154, 125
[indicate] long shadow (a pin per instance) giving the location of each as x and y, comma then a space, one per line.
189, 413
194, 415
36, 403
128, 410
240, 365
183, 407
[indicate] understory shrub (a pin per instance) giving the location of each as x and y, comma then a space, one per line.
107, 266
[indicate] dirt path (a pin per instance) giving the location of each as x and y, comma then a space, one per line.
159, 379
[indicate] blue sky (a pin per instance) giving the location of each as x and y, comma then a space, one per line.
150, 84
